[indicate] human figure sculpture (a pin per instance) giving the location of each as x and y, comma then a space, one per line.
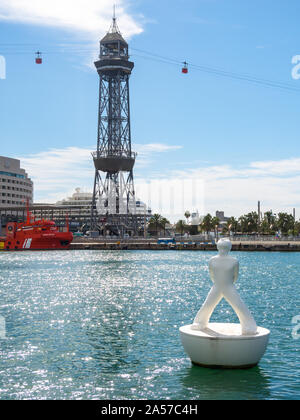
224, 271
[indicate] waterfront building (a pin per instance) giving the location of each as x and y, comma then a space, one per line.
77, 209
132, 223
221, 216
78, 198
223, 220
196, 219
15, 185
136, 206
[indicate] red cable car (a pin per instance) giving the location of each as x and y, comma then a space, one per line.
185, 68
38, 59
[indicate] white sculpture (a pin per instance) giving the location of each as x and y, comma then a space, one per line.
224, 271
224, 345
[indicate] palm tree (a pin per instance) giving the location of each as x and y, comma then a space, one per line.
163, 223
156, 223
269, 223
206, 224
286, 223
215, 221
249, 222
181, 226
297, 228
232, 225
187, 215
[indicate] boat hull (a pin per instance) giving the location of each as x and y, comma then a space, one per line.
54, 242
35, 235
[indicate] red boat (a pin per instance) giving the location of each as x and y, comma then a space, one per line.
35, 235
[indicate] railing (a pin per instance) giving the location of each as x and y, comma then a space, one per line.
263, 238
117, 153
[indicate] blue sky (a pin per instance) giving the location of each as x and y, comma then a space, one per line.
221, 143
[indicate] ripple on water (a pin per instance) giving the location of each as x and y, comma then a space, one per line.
91, 324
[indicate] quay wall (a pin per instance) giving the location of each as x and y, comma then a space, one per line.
148, 245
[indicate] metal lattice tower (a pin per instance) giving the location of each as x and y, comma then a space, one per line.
114, 196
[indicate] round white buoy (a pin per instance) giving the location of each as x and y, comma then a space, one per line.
223, 345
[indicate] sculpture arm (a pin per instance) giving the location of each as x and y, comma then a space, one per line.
236, 272
211, 271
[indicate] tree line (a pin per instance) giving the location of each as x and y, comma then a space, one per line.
268, 224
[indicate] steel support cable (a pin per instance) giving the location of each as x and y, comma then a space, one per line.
166, 60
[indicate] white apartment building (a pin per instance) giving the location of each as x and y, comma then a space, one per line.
15, 185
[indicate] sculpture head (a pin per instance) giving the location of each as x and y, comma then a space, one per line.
224, 246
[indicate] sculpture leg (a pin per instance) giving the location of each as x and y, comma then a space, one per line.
202, 318
247, 321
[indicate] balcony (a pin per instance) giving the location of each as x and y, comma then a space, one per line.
119, 161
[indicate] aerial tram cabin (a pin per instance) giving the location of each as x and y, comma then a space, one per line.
185, 68
38, 57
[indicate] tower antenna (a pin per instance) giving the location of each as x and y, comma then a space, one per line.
114, 27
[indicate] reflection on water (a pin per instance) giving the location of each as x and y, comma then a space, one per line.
90, 324
217, 384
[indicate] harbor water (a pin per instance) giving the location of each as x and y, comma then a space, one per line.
104, 325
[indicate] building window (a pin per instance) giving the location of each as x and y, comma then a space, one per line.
12, 174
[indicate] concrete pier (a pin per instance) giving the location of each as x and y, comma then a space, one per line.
142, 244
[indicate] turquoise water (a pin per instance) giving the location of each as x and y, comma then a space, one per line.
104, 325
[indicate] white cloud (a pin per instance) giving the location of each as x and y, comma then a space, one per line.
172, 196
155, 148
57, 172
281, 167
89, 17
146, 151
235, 190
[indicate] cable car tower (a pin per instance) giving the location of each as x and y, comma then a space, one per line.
114, 196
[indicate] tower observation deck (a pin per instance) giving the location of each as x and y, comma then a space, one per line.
113, 195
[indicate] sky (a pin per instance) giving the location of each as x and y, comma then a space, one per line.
221, 137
